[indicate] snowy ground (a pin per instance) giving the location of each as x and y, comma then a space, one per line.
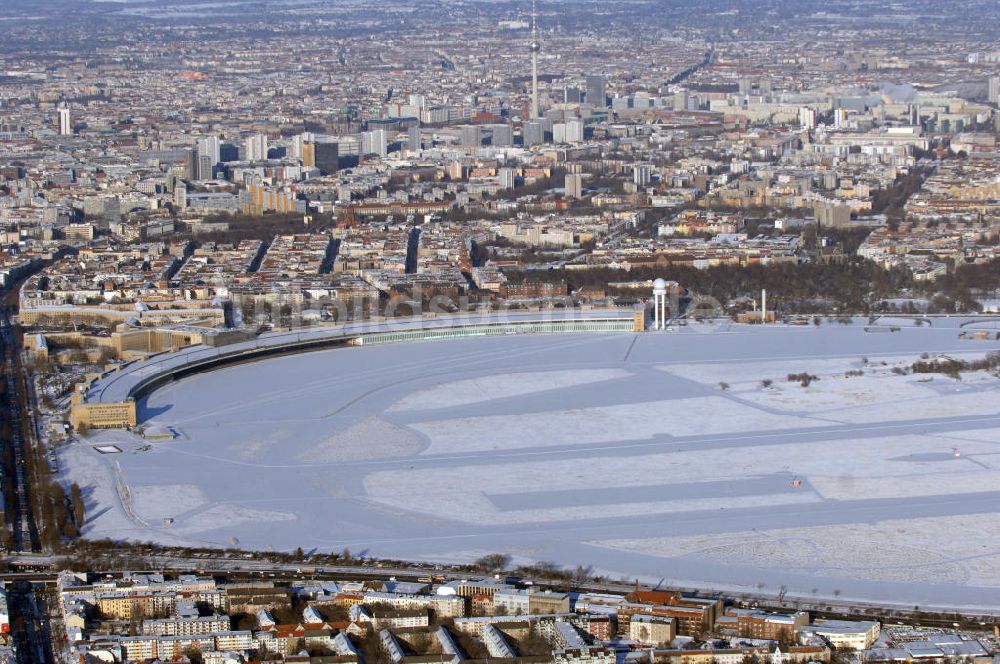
619, 451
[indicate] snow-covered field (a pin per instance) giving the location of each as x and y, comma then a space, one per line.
957, 550
619, 451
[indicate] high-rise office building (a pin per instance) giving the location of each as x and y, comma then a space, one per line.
206, 167
307, 154
533, 133
574, 185
298, 142
508, 178
994, 90
597, 94
349, 146
472, 136
413, 142
642, 100
807, 117
326, 157
191, 164
642, 174
572, 95
180, 196
375, 142
228, 152
255, 147
503, 135
574, 131
64, 121
559, 132
210, 147
622, 103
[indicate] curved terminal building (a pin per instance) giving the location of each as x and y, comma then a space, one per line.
109, 401
713, 455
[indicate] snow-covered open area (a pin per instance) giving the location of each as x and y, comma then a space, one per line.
620, 451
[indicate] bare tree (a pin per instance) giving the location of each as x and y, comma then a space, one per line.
493, 562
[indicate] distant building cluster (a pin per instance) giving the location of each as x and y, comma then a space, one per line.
142, 617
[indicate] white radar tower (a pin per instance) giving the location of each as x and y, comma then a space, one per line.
659, 304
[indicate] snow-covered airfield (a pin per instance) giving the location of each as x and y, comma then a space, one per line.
616, 450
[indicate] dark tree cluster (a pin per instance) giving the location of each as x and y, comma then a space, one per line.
855, 286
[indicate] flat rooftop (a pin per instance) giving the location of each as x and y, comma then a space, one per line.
118, 385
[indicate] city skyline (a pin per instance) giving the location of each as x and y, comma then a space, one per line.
550, 332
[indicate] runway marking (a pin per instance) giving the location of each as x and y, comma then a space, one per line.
691, 442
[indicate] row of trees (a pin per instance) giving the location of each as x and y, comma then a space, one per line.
949, 366
857, 285
60, 515
891, 202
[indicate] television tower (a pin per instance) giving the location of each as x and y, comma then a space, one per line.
535, 48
